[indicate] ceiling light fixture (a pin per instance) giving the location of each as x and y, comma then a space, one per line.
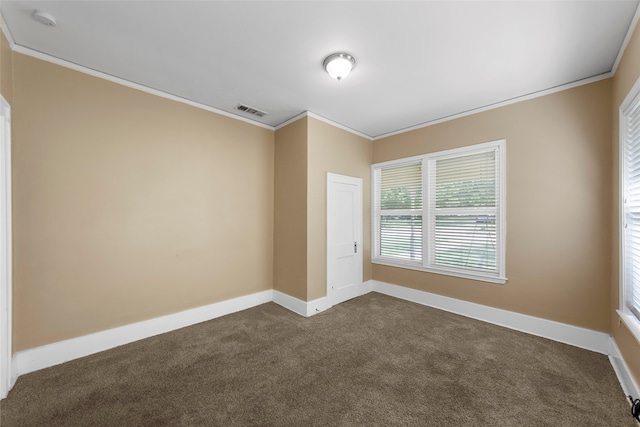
339, 65
44, 18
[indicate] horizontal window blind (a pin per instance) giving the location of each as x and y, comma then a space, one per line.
631, 205
467, 241
442, 212
398, 211
401, 236
464, 210
466, 182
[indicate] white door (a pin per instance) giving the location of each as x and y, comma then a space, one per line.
344, 238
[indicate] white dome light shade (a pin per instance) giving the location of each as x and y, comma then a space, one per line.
339, 65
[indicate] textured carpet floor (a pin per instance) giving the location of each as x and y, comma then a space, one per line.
375, 360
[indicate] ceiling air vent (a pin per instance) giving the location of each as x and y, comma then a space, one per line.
251, 110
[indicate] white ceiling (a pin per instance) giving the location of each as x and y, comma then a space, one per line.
417, 62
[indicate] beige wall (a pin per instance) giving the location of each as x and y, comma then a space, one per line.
6, 69
115, 191
626, 75
337, 151
290, 230
128, 206
558, 197
306, 150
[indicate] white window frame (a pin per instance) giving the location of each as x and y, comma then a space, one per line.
425, 265
626, 315
7, 376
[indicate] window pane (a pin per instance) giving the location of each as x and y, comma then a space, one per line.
401, 237
466, 181
401, 187
448, 204
466, 241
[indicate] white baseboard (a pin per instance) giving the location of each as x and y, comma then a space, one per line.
579, 337
303, 308
49, 355
316, 306
307, 309
568, 334
367, 287
63, 351
627, 382
26, 361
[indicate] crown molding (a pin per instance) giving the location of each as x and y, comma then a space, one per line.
495, 105
338, 125
322, 119
291, 120
67, 64
627, 38
593, 79
99, 74
6, 32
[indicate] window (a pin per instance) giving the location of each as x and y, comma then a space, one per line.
442, 212
400, 208
630, 210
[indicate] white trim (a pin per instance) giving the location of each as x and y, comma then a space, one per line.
34, 359
556, 331
502, 164
621, 369
454, 273
99, 74
629, 98
95, 73
631, 322
291, 120
367, 287
338, 125
504, 103
401, 161
303, 308
7, 378
63, 351
599, 342
621, 191
322, 119
316, 306
7, 33
426, 263
625, 42
308, 309
290, 303
49, 355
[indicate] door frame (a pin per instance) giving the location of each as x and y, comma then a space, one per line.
333, 178
6, 377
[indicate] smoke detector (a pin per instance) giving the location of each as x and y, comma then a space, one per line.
44, 18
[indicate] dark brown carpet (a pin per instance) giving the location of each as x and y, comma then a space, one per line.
375, 360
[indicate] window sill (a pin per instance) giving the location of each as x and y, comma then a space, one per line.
466, 275
631, 322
